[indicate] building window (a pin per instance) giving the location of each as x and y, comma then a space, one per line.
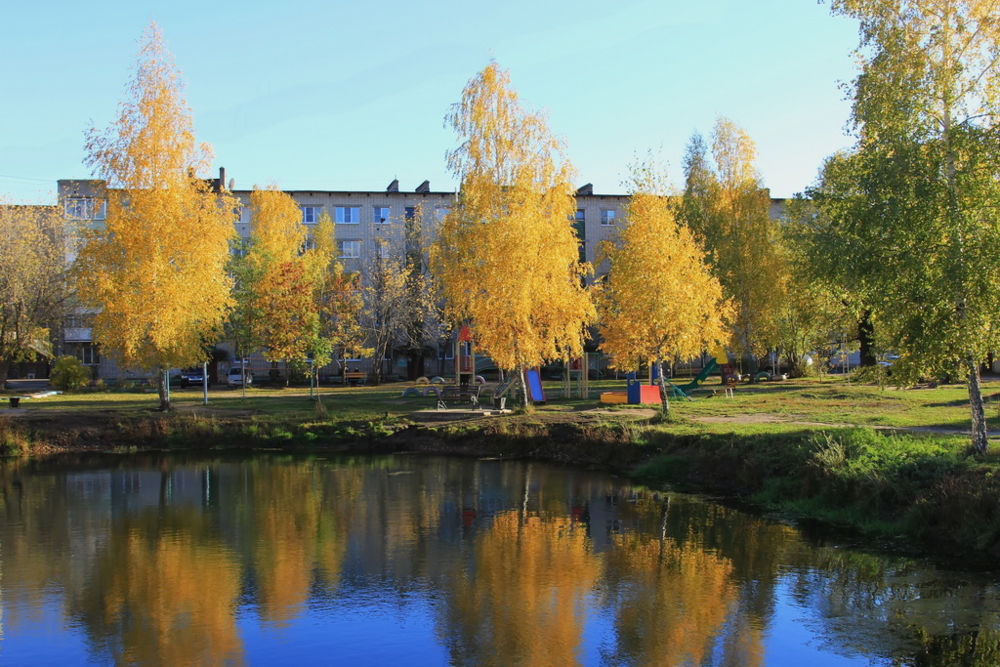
608, 217
87, 353
441, 212
245, 215
579, 220
310, 214
380, 214
86, 208
410, 212
348, 215
349, 249
382, 249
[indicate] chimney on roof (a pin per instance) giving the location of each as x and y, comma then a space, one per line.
394, 186
587, 189
222, 178
424, 187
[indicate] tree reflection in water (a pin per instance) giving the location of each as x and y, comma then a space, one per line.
183, 560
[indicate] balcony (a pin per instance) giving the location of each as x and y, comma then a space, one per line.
78, 335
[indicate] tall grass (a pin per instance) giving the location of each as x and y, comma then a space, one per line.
15, 440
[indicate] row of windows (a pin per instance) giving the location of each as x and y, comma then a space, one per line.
89, 208
349, 249
351, 215
608, 217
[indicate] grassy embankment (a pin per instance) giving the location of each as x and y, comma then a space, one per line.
806, 447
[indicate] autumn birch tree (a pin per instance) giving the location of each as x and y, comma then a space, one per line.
920, 200
286, 319
660, 298
33, 289
338, 301
157, 269
726, 205
506, 256
386, 298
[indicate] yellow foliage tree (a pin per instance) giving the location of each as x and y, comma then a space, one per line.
660, 298
33, 291
156, 270
726, 204
506, 256
285, 317
338, 300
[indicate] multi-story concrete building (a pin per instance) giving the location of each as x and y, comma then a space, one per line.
367, 222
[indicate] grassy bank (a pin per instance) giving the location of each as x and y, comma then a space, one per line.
808, 448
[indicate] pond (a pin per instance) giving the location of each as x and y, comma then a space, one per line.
265, 559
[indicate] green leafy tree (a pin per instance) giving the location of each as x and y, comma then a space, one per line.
69, 374
660, 298
244, 313
917, 202
506, 257
156, 271
816, 309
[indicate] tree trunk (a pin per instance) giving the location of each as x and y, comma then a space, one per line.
866, 337
524, 386
4, 370
163, 389
751, 366
979, 439
664, 400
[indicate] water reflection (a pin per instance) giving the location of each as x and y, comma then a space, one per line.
442, 561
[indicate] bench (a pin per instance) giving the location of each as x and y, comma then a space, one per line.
355, 378
457, 394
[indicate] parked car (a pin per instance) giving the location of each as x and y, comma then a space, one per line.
236, 375
192, 376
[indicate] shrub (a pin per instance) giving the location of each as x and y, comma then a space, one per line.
69, 374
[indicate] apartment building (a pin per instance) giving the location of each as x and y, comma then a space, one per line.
367, 223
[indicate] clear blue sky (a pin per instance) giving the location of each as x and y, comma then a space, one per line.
334, 95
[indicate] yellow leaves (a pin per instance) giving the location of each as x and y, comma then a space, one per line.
276, 224
729, 208
152, 144
32, 273
660, 298
507, 257
157, 268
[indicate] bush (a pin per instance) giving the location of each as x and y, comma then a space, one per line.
69, 374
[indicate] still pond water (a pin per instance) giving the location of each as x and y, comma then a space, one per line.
437, 561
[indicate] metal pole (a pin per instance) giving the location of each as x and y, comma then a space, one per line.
204, 382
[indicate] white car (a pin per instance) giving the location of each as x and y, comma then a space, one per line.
236, 374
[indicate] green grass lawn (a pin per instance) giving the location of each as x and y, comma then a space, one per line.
777, 406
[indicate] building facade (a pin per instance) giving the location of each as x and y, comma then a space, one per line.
367, 223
